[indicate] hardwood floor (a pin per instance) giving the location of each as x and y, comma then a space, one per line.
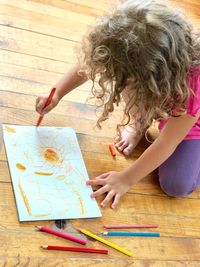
37, 42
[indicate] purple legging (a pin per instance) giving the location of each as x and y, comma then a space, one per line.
179, 175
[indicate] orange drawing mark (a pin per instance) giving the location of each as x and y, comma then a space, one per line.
60, 177
81, 201
20, 167
24, 198
10, 129
81, 205
44, 173
51, 155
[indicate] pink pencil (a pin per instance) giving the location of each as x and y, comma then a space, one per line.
64, 235
121, 226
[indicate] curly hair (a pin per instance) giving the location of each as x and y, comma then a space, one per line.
148, 47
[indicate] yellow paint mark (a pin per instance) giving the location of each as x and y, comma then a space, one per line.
51, 155
44, 173
10, 129
60, 177
24, 198
20, 167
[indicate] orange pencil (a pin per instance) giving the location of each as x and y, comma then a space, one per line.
46, 104
112, 150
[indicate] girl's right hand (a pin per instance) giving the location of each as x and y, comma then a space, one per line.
40, 104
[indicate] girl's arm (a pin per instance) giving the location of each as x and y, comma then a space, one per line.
173, 133
72, 79
117, 183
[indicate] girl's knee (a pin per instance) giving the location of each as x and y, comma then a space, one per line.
176, 187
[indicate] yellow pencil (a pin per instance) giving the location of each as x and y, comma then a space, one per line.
106, 242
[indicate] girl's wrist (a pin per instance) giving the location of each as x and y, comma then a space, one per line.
58, 94
130, 179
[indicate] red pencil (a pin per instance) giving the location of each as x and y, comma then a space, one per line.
112, 150
88, 250
120, 226
46, 104
64, 235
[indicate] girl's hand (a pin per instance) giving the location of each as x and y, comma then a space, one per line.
40, 103
115, 184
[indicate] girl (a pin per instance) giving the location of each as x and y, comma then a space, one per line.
147, 53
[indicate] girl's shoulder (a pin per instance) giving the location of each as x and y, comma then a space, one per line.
194, 71
193, 80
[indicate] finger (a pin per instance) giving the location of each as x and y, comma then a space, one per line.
102, 176
40, 105
100, 191
37, 100
47, 109
95, 182
116, 201
109, 196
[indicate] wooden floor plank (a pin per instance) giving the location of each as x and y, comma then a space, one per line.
143, 204
50, 261
11, 84
25, 19
50, 10
143, 249
169, 226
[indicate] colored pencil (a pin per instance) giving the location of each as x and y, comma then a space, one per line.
121, 226
112, 150
64, 235
46, 104
87, 250
131, 234
108, 243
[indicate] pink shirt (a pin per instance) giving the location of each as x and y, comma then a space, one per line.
193, 104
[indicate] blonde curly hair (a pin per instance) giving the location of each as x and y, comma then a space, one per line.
147, 46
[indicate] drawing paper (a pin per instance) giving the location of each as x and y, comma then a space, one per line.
48, 173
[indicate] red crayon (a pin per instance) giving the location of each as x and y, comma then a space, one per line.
87, 250
112, 150
46, 104
64, 235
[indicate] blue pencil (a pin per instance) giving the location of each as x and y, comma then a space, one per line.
131, 234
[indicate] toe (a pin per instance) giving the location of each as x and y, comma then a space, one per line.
117, 139
128, 150
123, 146
119, 144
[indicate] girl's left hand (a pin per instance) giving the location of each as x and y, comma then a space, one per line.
114, 183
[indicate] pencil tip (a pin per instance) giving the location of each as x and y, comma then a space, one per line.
38, 227
44, 246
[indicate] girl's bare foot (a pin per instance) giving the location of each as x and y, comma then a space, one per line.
128, 140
